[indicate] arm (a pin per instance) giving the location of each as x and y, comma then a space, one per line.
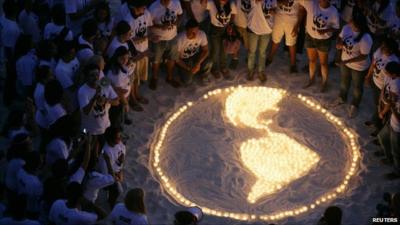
368, 78
301, 15
183, 65
202, 57
356, 59
88, 108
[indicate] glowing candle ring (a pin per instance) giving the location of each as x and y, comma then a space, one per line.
353, 148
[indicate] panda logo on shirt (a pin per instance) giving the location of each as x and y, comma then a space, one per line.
379, 65
141, 30
169, 18
287, 6
348, 44
223, 17
319, 22
190, 50
267, 9
245, 5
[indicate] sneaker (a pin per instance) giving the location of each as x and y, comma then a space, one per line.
143, 100
174, 83
234, 63
323, 88
353, 111
127, 121
268, 62
308, 84
337, 102
153, 84
216, 74
369, 123
262, 77
379, 154
392, 176
387, 162
250, 76
226, 74
293, 69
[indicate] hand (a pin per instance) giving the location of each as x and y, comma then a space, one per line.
339, 46
119, 177
195, 69
121, 159
295, 30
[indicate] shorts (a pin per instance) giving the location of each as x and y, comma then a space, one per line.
281, 28
165, 49
322, 45
141, 69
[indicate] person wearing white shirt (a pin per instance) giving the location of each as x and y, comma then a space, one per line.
389, 136
196, 9
285, 20
260, 24
132, 211
222, 14
243, 9
376, 75
356, 44
193, 52
141, 22
166, 16
104, 19
77, 12
85, 48
378, 16
95, 99
57, 28
28, 183
68, 212
322, 22
54, 110
26, 67
29, 21
123, 33
120, 69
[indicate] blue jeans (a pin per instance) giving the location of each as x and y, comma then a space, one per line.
390, 142
348, 75
260, 43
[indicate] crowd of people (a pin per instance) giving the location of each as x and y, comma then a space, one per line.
78, 68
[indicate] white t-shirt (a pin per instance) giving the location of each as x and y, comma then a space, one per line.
60, 214
385, 16
65, 72
77, 176
190, 47
53, 113
10, 32
114, 153
261, 19
288, 12
395, 88
120, 215
243, 9
30, 186
57, 149
320, 19
199, 10
220, 19
85, 53
94, 182
381, 60
51, 31
165, 15
74, 6
29, 24
352, 49
106, 28
121, 80
115, 43
10, 176
26, 68
97, 121
11, 221
139, 27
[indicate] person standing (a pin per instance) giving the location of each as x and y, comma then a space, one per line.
260, 24
322, 22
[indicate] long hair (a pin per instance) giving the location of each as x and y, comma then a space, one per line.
114, 65
134, 201
360, 21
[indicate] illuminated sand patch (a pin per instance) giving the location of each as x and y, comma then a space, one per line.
276, 159
169, 185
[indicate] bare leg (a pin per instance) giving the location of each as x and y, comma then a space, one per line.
170, 69
323, 59
312, 61
274, 48
292, 54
